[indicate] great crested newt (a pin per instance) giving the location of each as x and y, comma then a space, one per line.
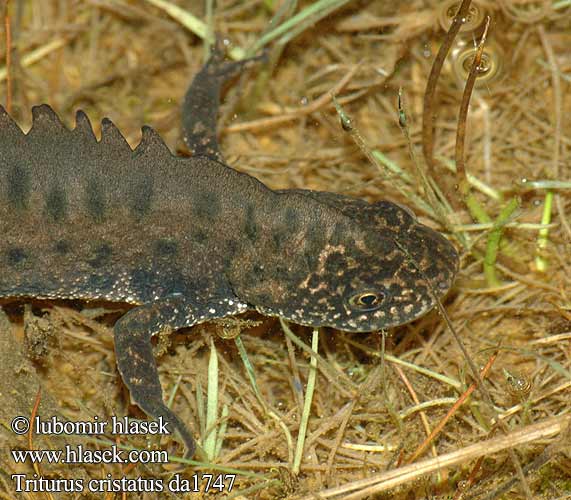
190, 239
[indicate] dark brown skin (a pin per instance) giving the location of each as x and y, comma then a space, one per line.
190, 239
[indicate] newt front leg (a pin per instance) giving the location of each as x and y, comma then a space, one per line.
134, 351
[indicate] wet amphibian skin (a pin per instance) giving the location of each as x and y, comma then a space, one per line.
188, 240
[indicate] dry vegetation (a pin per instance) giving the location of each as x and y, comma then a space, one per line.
131, 61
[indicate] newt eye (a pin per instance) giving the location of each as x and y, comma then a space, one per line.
366, 301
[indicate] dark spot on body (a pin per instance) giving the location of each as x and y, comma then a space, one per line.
142, 280
62, 247
232, 248
100, 282
95, 200
141, 196
166, 248
281, 236
315, 239
206, 204
101, 255
15, 256
291, 217
56, 204
339, 234
230, 254
282, 273
258, 276
175, 282
250, 227
19, 186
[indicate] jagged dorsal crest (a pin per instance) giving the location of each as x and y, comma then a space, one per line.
152, 144
46, 121
8, 127
83, 127
49, 138
112, 137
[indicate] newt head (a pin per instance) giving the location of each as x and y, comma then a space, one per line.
350, 265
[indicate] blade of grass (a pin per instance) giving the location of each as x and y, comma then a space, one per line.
200, 408
249, 370
209, 442
543, 236
386, 167
476, 183
172, 395
436, 199
271, 413
209, 25
335, 377
428, 111
221, 430
307, 404
37, 55
493, 243
456, 384
464, 185
298, 23
194, 25
476, 209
